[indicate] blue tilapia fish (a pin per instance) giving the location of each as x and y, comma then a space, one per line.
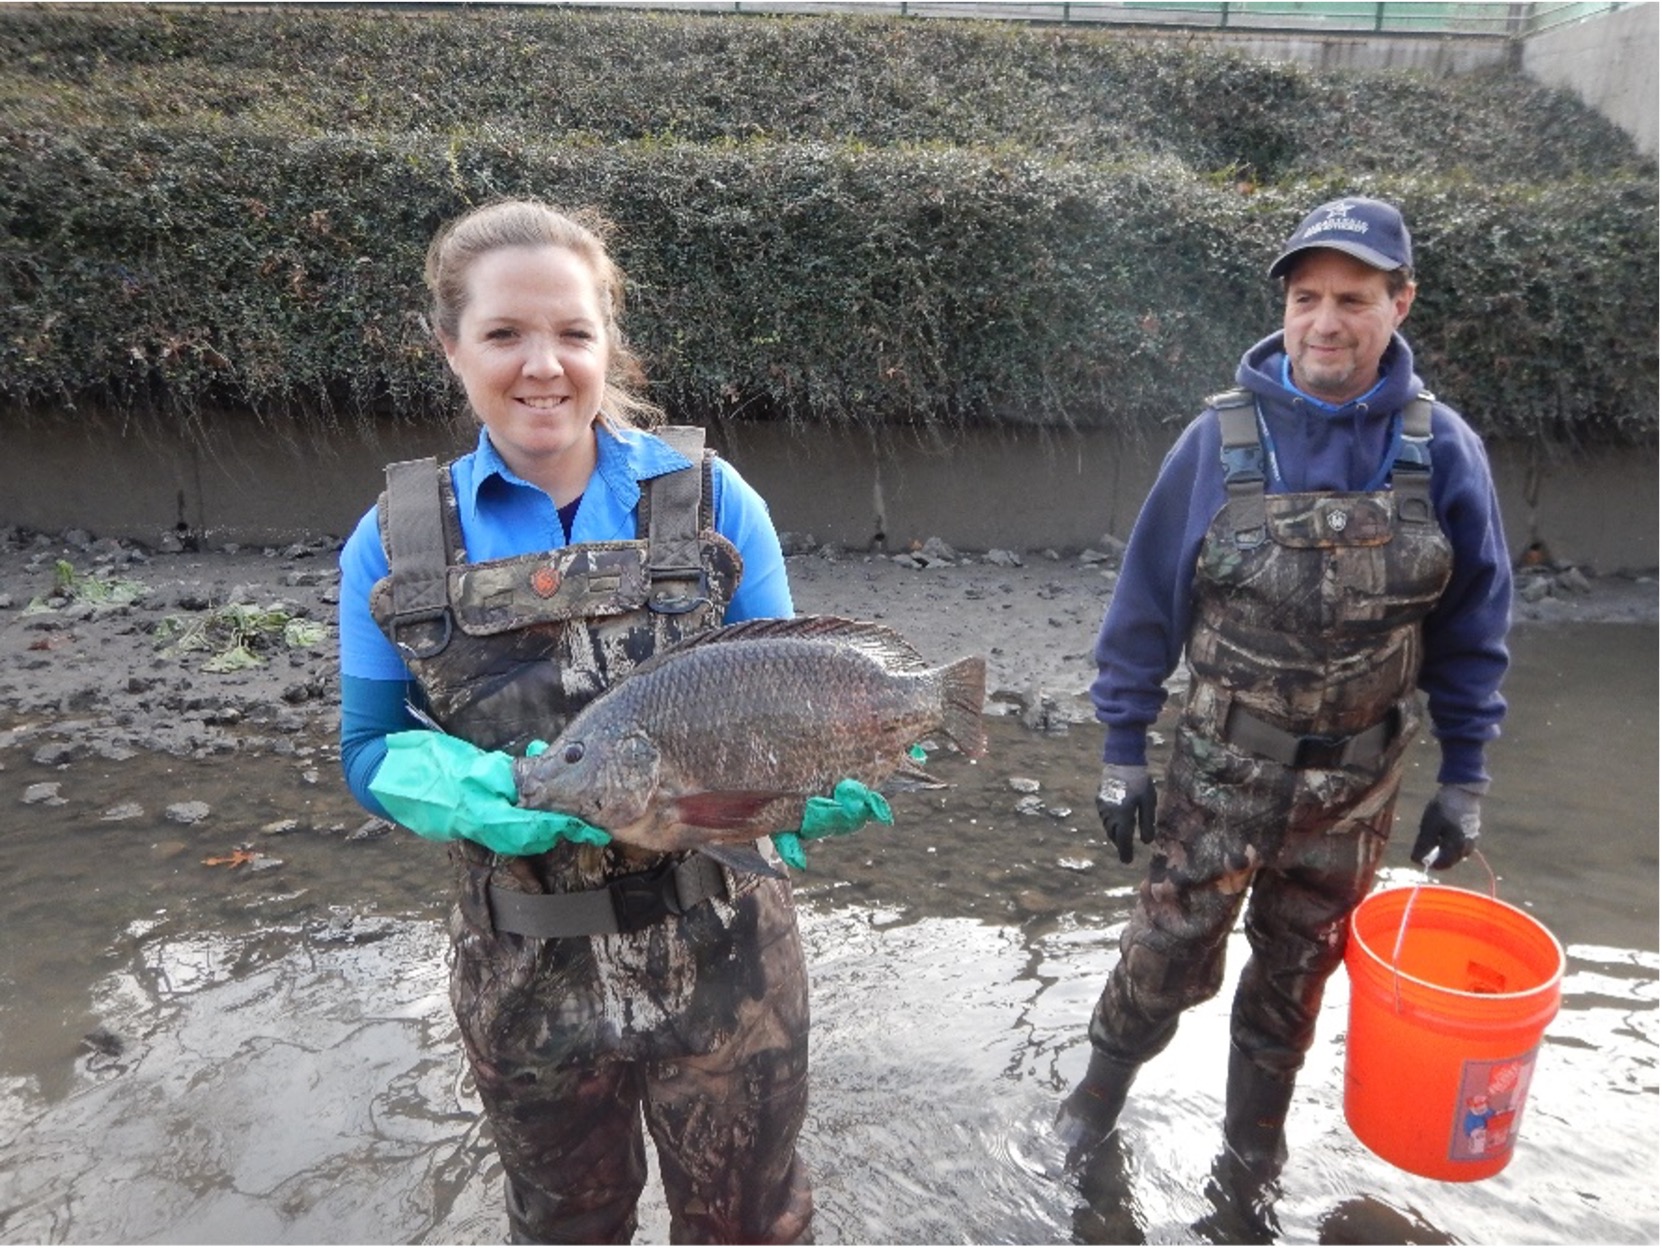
723, 738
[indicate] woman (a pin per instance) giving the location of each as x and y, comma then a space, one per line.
495, 596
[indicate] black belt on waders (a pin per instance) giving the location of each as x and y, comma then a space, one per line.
1247, 732
625, 904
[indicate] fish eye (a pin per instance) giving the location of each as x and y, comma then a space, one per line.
573, 753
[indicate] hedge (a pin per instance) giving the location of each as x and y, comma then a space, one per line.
219, 245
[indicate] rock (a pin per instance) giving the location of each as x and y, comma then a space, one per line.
370, 829
1114, 546
44, 793
278, 827
935, 549
123, 811
1040, 712
796, 543
1573, 580
103, 1041
1024, 784
1035, 902
56, 754
1004, 559
188, 812
1534, 589
1031, 804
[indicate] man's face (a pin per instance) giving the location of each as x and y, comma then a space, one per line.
1338, 321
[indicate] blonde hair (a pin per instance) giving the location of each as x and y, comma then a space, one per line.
532, 223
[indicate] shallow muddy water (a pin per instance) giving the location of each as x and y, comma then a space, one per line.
197, 1053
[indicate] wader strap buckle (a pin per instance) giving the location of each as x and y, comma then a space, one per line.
1242, 454
625, 904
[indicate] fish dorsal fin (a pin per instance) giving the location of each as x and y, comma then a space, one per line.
879, 642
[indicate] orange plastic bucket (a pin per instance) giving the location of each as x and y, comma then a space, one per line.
1450, 992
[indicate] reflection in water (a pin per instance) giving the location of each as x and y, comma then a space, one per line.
203, 1054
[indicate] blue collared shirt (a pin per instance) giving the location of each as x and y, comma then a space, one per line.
503, 515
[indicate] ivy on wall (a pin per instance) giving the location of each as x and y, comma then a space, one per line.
823, 219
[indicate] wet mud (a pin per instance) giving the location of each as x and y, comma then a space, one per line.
224, 1013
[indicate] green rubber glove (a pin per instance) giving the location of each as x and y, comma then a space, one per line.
850, 806
442, 788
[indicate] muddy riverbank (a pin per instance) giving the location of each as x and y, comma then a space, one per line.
109, 647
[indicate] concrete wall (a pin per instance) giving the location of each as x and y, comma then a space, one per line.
1610, 62
1020, 489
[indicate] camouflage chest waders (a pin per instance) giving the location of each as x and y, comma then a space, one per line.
1304, 654
683, 992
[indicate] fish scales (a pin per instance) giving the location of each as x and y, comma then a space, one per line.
725, 736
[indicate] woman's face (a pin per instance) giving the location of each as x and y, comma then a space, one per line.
531, 352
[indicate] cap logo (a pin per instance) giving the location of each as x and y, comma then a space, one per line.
1338, 218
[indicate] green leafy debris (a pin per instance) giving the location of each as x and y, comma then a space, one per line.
71, 586
237, 635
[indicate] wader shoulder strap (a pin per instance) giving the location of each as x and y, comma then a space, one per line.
1411, 472
1242, 453
413, 526
675, 508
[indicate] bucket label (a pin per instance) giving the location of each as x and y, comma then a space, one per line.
1490, 1107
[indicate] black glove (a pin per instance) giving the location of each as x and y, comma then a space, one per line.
1125, 801
1450, 827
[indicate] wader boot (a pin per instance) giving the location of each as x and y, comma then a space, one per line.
1088, 1116
1108, 1213
1243, 1186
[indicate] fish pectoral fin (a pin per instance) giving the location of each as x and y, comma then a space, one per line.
742, 858
726, 809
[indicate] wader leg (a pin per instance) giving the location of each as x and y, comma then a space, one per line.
726, 1122
573, 1154
1172, 950
1297, 923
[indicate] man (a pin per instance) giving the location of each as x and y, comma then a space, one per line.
1320, 542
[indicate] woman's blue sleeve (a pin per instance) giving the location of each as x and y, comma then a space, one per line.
742, 518
369, 711
374, 682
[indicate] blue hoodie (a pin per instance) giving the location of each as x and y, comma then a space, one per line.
1316, 447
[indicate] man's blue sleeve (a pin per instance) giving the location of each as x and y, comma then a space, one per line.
1466, 655
1147, 621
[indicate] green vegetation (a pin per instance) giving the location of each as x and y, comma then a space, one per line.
823, 218
236, 634
100, 588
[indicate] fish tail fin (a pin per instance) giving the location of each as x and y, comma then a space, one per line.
964, 684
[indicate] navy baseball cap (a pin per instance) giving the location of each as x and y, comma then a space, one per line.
1369, 229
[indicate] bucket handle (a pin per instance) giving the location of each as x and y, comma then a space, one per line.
1402, 928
